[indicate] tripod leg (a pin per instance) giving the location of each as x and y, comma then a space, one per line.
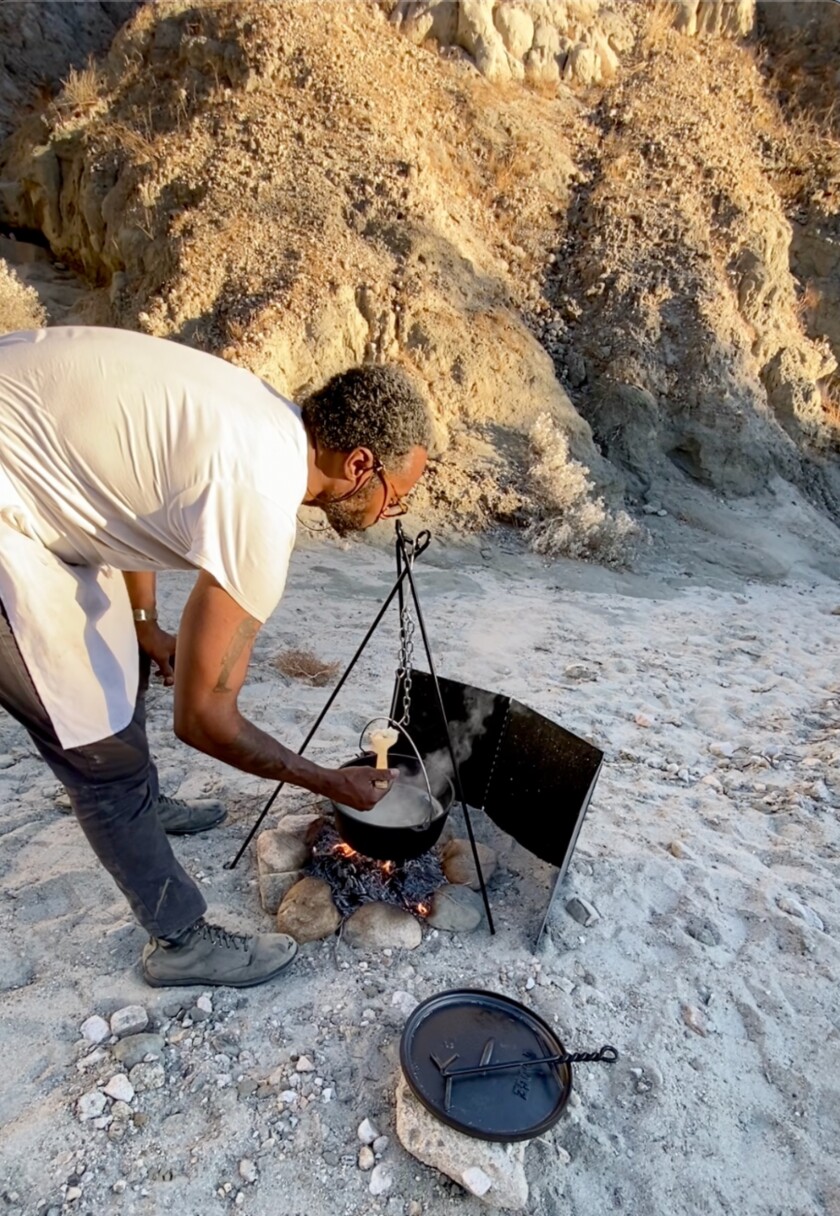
456, 772
397, 587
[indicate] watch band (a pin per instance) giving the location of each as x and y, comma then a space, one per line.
145, 614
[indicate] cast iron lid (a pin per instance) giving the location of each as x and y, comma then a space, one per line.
475, 1031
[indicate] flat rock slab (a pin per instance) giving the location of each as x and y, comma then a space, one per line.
455, 908
459, 867
495, 1173
379, 926
280, 851
307, 912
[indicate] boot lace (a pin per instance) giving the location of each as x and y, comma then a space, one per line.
221, 937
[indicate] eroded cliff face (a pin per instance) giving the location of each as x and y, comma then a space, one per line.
40, 43
611, 249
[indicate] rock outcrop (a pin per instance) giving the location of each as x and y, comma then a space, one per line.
614, 261
282, 205
41, 43
546, 42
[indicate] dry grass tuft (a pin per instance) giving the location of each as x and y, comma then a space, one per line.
830, 394
572, 520
305, 666
81, 93
659, 25
20, 307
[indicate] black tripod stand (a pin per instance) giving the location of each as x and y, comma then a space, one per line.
407, 551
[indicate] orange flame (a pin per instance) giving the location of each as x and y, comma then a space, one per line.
423, 909
345, 850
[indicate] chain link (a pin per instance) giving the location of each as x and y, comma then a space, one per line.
406, 651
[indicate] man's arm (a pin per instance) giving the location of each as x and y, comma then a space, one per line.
215, 640
156, 642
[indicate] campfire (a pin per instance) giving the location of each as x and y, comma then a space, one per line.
355, 880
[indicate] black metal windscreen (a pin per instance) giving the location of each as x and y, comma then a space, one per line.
531, 777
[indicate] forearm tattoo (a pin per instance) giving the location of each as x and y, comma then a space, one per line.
244, 636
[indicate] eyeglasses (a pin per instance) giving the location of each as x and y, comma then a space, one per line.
393, 506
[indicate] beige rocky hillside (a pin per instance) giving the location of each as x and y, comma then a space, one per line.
566, 212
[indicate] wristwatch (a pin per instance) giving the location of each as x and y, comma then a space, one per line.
145, 614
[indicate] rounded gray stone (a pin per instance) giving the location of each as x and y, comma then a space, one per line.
455, 908
379, 926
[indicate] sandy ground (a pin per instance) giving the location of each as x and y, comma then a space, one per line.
709, 676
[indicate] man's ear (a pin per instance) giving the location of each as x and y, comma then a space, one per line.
358, 462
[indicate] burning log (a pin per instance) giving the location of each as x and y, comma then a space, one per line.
356, 880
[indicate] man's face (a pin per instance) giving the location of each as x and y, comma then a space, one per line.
381, 496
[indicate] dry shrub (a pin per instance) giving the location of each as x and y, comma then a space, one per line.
573, 521
659, 23
20, 307
304, 665
81, 93
830, 394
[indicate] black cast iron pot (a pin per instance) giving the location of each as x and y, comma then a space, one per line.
369, 833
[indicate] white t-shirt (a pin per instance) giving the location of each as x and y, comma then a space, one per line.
118, 450
141, 454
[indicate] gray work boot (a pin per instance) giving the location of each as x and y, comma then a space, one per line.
206, 954
181, 818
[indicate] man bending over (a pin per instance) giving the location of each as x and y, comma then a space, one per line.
123, 454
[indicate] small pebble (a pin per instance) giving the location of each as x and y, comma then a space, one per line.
91, 1105
73, 1193
204, 1004
247, 1170
404, 1002
304, 1064
130, 1020
381, 1179
693, 1019
366, 1157
95, 1029
582, 911
367, 1133
120, 1088
380, 1144
119, 1186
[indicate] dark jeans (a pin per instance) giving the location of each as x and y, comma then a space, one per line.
113, 788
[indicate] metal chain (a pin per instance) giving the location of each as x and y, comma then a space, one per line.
406, 650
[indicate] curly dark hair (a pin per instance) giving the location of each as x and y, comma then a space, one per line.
375, 406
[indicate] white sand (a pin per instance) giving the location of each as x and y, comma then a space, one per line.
717, 706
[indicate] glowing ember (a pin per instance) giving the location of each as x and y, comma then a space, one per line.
355, 879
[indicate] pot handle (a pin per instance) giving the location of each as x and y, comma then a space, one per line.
401, 729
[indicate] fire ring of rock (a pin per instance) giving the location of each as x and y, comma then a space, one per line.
316, 885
